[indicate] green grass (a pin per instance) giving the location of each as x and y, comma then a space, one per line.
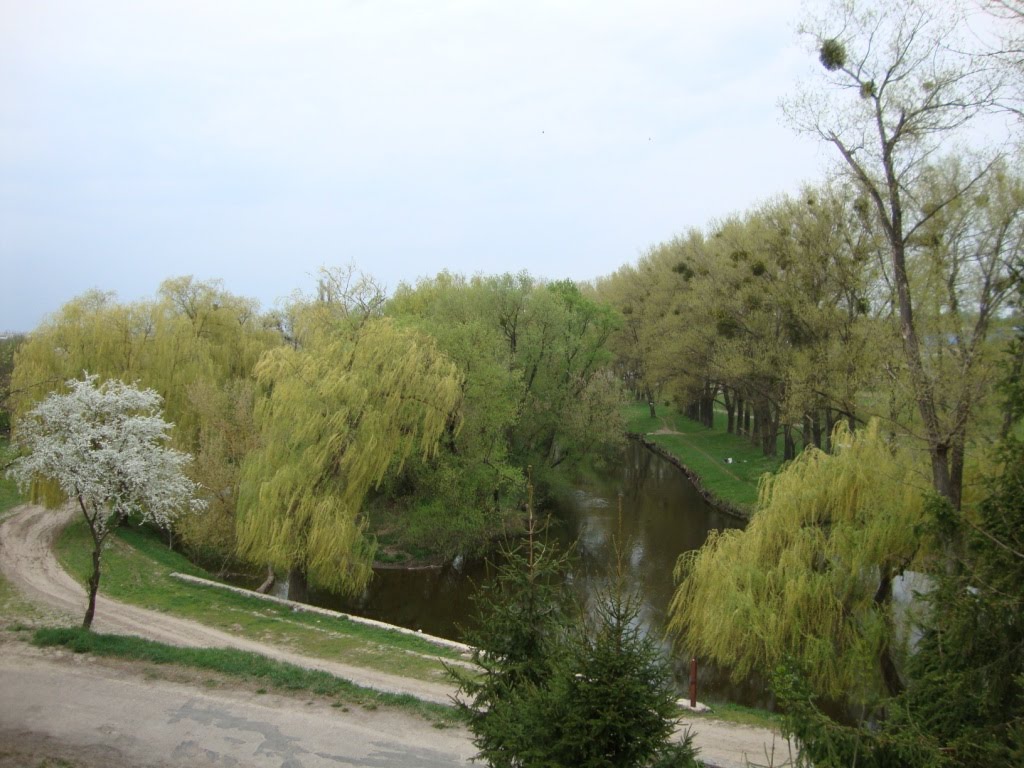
239, 665
704, 451
137, 567
736, 713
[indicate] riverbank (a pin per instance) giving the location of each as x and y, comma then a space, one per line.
25, 558
726, 469
137, 571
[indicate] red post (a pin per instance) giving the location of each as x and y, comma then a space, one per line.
693, 682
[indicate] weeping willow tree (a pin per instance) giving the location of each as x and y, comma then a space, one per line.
196, 345
810, 580
195, 331
338, 413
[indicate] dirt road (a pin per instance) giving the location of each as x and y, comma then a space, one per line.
69, 710
27, 561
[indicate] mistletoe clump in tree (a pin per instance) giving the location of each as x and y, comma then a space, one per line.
102, 446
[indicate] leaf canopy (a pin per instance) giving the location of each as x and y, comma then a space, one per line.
103, 444
802, 581
338, 413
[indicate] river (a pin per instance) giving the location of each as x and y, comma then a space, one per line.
662, 517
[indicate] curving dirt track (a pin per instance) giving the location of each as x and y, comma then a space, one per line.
27, 561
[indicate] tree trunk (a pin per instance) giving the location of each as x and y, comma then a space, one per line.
956, 465
298, 586
829, 425
94, 585
97, 557
890, 676
923, 386
769, 424
707, 405
268, 582
808, 432
886, 192
789, 449
730, 411
746, 417
941, 480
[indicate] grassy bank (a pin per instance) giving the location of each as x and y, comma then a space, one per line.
137, 569
740, 715
704, 451
238, 665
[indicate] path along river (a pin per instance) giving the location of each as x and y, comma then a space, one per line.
663, 516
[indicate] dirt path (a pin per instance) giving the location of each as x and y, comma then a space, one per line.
112, 715
27, 561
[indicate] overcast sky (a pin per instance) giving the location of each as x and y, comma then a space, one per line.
256, 141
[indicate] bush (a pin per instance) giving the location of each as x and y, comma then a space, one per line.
551, 695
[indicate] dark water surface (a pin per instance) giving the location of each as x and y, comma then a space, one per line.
662, 517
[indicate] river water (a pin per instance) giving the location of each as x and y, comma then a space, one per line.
662, 517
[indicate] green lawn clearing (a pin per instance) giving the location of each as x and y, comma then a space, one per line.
704, 451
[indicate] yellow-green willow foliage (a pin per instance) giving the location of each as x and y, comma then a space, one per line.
195, 344
91, 332
810, 578
338, 412
227, 433
195, 331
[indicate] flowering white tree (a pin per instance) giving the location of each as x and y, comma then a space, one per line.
103, 446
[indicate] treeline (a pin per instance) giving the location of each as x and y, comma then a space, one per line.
885, 573
351, 426
9, 342
786, 318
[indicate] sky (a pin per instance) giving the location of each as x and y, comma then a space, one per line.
254, 141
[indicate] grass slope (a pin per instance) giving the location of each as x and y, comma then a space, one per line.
137, 568
704, 451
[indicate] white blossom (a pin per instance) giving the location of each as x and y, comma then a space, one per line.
105, 446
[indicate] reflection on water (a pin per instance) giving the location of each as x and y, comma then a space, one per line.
662, 517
